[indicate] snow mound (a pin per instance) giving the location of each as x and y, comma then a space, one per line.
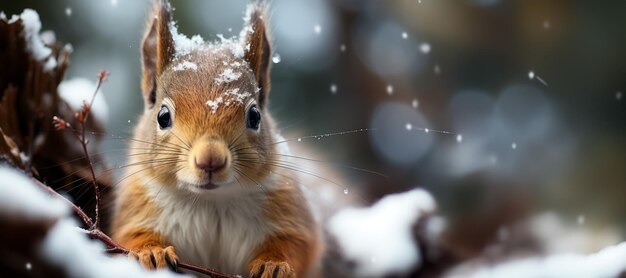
78, 90
65, 245
379, 239
34, 42
608, 262
20, 198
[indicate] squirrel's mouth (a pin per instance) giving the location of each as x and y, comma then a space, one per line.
208, 186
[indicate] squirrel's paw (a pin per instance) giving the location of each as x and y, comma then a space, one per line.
156, 257
269, 269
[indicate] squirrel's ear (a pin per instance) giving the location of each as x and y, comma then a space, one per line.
157, 49
257, 47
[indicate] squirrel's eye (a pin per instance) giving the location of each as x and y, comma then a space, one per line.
164, 118
254, 118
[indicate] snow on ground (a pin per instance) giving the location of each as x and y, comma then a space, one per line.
34, 43
379, 239
20, 198
608, 262
77, 90
68, 247
65, 245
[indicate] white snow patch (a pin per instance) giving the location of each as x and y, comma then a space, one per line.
182, 43
78, 90
185, 65
69, 248
34, 43
214, 104
48, 37
21, 199
234, 44
65, 245
608, 262
379, 239
50, 64
229, 75
229, 97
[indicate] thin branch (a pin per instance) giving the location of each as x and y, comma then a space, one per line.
118, 249
83, 216
83, 141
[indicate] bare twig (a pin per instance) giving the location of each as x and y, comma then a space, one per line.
83, 141
83, 216
118, 249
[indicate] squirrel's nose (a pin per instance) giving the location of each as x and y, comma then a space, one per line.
210, 163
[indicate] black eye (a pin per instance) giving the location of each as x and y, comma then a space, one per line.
254, 118
164, 118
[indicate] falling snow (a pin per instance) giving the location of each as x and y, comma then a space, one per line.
68, 11
317, 29
459, 138
581, 219
618, 95
514, 145
342, 48
333, 89
546, 25
425, 48
389, 89
276, 58
405, 35
532, 75
437, 70
415, 103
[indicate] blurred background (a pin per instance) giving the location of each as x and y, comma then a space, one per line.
509, 112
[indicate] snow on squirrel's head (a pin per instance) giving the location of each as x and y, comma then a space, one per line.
208, 99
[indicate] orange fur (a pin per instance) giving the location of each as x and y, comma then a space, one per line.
297, 243
165, 178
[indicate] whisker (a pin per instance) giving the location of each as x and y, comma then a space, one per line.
244, 174
319, 137
118, 137
323, 161
181, 140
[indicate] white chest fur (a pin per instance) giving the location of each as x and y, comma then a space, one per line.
219, 231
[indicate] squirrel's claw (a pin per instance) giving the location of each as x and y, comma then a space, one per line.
269, 269
156, 257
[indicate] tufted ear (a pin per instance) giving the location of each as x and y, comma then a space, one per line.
157, 49
257, 50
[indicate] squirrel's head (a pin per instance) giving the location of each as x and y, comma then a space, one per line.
205, 124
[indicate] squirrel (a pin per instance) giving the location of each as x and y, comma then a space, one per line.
203, 185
